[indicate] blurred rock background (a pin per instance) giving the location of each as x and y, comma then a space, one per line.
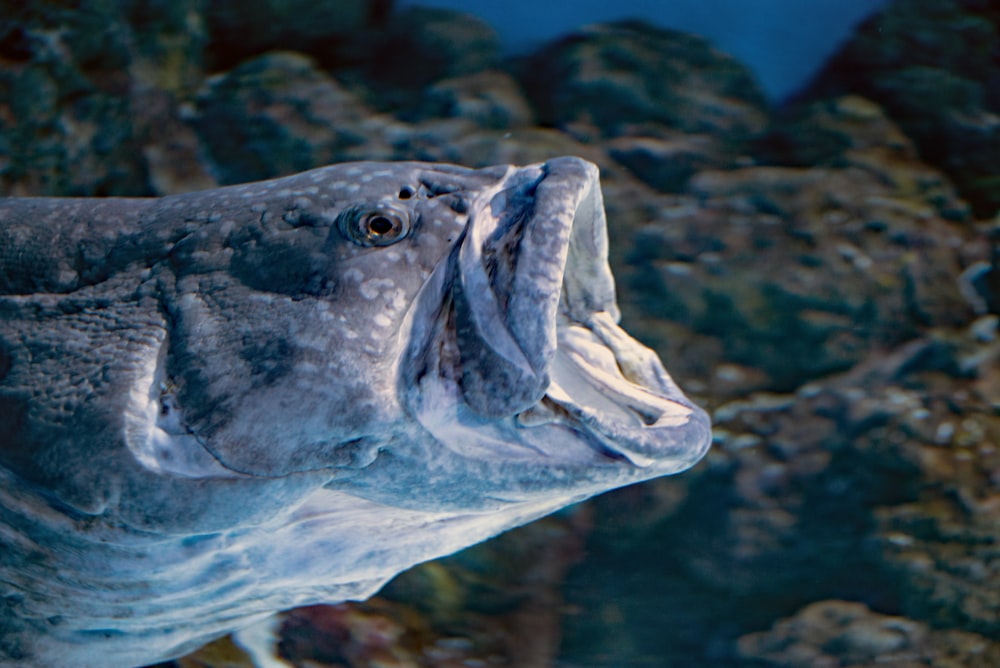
824, 275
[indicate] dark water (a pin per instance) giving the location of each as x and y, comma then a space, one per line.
784, 42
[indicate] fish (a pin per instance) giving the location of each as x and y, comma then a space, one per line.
222, 404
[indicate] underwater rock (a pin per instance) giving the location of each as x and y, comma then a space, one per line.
667, 164
691, 103
932, 64
799, 271
674, 102
356, 636
987, 279
172, 151
910, 427
942, 547
417, 47
876, 485
239, 29
454, 140
840, 633
943, 550
854, 131
278, 114
489, 99
445, 43
616, 77
830, 131
796, 272
80, 109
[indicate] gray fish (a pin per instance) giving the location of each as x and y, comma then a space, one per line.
218, 405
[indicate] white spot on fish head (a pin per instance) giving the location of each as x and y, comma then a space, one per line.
430, 241
374, 287
323, 312
398, 300
305, 368
354, 274
381, 320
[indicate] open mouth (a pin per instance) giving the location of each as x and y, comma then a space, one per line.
537, 334
605, 386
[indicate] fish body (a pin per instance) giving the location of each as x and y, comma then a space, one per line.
218, 405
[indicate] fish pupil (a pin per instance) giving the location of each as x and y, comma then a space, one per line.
380, 225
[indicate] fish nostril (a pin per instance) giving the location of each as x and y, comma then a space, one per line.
406, 192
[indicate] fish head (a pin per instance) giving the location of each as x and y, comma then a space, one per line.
518, 379
426, 335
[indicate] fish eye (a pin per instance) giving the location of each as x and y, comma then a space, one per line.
376, 227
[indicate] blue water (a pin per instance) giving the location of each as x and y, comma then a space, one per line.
783, 41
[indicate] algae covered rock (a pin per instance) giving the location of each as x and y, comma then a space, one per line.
239, 29
417, 47
278, 114
490, 99
842, 633
692, 106
875, 485
87, 96
942, 545
799, 271
618, 76
796, 272
933, 65
422, 44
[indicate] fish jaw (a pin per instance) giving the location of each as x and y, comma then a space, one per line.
524, 366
